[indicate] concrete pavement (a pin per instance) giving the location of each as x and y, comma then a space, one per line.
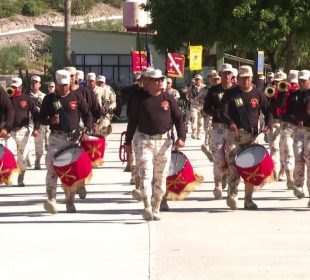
199, 238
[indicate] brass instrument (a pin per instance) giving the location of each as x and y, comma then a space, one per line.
10, 91
282, 86
269, 92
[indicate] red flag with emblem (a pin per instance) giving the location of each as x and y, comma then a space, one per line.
136, 67
175, 65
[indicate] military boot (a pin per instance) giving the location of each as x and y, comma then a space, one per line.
206, 151
37, 165
82, 192
156, 208
136, 194
217, 192
164, 205
128, 167
50, 204
298, 192
248, 202
232, 199
290, 180
70, 196
281, 175
224, 180
20, 179
147, 213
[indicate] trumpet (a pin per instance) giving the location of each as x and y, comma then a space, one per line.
282, 86
10, 91
269, 92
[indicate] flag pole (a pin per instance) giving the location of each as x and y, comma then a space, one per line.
139, 49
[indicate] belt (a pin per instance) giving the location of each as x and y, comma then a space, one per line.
158, 136
57, 132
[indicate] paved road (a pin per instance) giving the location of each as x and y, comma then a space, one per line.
200, 238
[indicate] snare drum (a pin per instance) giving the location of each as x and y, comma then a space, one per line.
95, 147
254, 164
7, 165
73, 167
181, 180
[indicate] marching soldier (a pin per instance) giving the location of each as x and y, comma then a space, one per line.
196, 106
23, 107
172, 90
74, 107
6, 115
107, 101
270, 79
243, 129
152, 114
51, 87
212, 108
37, 97
293, 106
234, 76
80, 78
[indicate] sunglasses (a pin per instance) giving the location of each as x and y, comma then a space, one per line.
155, 79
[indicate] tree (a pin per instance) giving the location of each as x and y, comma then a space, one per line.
278, 27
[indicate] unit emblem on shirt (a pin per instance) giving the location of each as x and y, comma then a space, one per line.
165, 105
73, 105
254, 102
23, 104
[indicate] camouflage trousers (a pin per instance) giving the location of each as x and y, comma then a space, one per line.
207, 125
236, 141
218, 142
299, 171
196, 121
57, 141
307, 154
39, 140
104, 125
22, 140
153, 160
287, 133
135, 156
276, 147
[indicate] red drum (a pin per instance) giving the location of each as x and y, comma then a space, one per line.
181, 180
254, 164
95, 147
7, 165
73, 167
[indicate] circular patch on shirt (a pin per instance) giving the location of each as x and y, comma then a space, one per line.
23, 104
254, 102
73, 105
165, 104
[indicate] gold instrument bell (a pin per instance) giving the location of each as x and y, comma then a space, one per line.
10, 91
282, 86
269, 92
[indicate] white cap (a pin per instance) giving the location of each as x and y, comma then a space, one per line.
71, 70
270, 74
280, 76
235, 72
100, 78
304, 75
226, 67
154, 74
91, 76
63, 77
245, 71
169, 80
145, 71
215, 75
198, 76
35, 78
17, 82
137, 75
293, 76
261, 77
211, 72
80, 74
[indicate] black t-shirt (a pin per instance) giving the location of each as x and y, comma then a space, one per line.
254, 102
74, 107
290, 115
155, 115
302, 108
6, 111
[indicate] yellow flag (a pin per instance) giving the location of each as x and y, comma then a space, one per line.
195, 58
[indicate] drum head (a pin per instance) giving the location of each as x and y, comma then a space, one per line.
93, 138
177, 163
1, 151
250, 156
68, 156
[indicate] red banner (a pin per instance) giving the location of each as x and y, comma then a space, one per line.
175, 65
136, 61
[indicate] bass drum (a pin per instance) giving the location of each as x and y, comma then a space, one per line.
254, 164
95, 148
181, 180
8, 166
73, 167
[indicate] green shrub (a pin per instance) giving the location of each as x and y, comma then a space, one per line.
33, 8
58, 5
114, 3
8, 8
81, 7
10, 58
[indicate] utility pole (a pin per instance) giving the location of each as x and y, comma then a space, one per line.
67, 32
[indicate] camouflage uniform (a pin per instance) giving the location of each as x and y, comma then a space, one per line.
307, 156
299, 171
207, 125
107, 99
154, 160
274, 138
287, 132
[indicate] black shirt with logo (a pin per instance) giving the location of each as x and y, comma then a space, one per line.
23, 105
253, 101
6, 111
74, 107
154, 115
